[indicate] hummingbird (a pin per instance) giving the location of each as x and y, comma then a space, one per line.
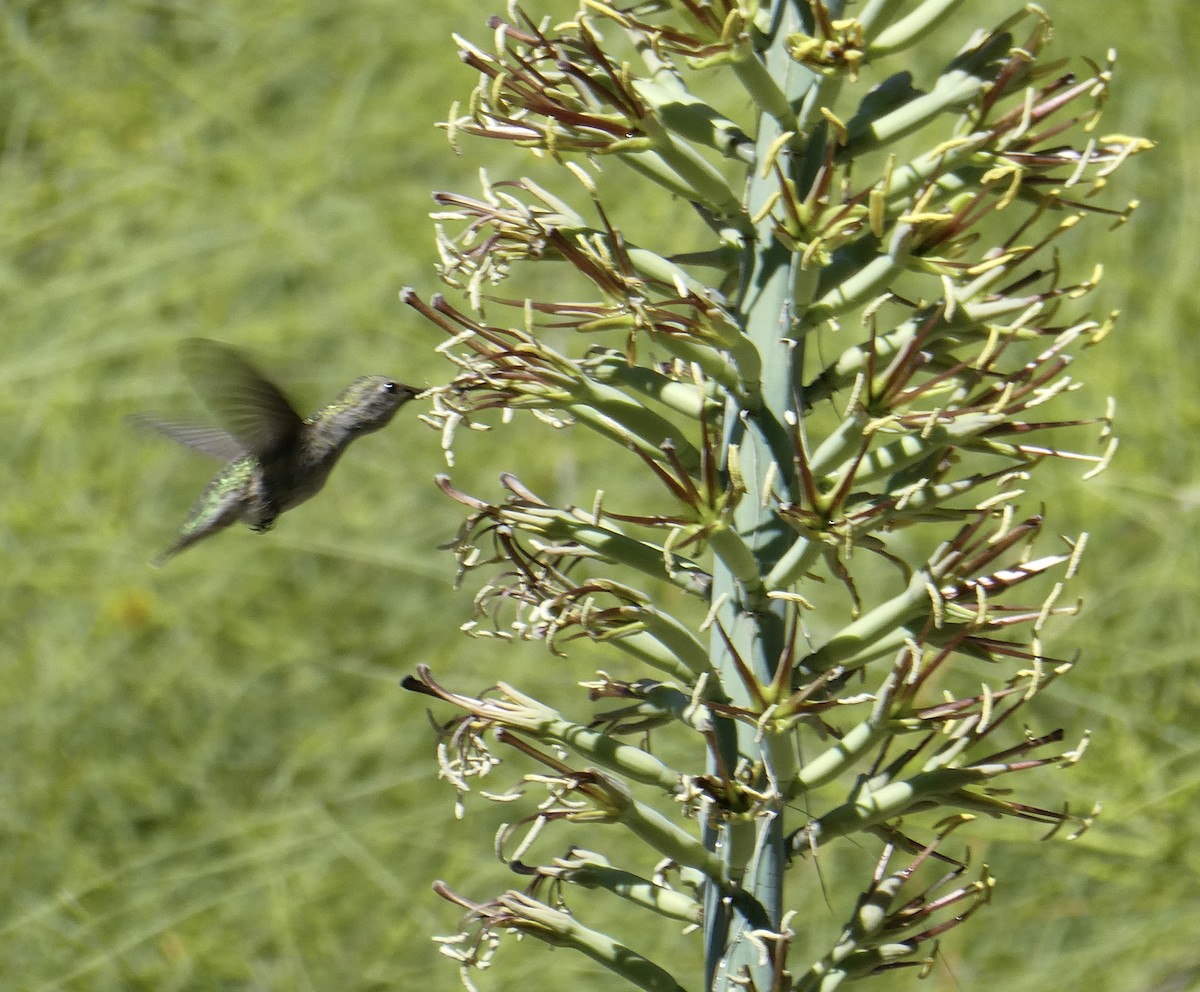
274, 458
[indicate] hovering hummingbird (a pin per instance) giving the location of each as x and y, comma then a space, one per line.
275, 459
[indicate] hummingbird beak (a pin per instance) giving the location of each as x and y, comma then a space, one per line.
405, 392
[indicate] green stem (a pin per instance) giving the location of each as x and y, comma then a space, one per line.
773, 292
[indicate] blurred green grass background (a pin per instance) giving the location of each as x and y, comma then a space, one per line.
212, 779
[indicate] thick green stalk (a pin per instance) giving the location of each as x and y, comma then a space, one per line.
768, 301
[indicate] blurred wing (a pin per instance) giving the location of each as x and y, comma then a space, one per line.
211, 440
248, 405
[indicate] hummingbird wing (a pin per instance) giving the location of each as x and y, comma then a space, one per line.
249, 406
203, 437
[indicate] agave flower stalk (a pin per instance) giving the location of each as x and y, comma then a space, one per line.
834, 578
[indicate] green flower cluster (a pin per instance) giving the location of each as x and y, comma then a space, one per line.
843, 417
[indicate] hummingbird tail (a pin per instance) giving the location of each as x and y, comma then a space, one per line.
170, 552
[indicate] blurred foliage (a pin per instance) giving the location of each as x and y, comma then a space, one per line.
213, 780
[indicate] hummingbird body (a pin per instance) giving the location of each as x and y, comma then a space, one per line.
275, 460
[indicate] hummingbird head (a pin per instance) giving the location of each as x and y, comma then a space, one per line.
368, 403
